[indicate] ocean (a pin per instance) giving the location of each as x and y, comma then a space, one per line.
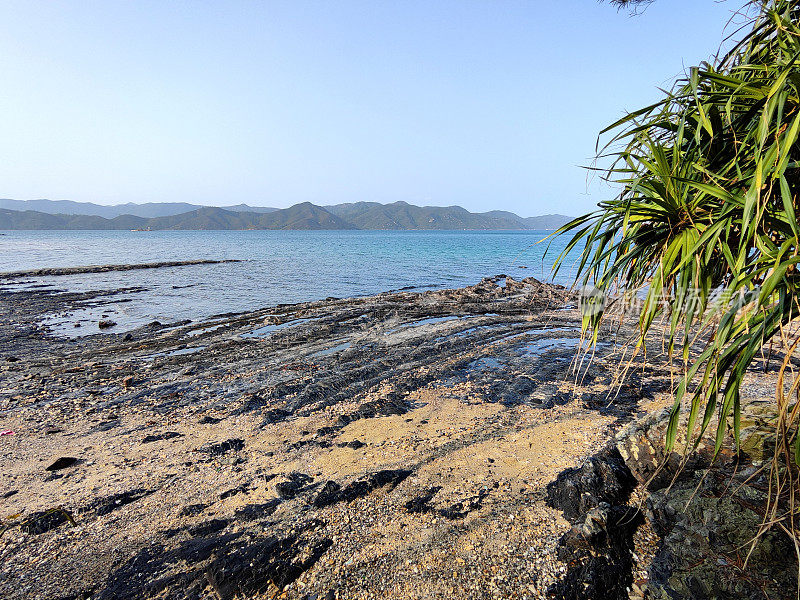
277, 267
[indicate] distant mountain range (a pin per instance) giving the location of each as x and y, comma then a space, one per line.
148, 209
64, 214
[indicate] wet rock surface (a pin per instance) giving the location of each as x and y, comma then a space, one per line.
391, 446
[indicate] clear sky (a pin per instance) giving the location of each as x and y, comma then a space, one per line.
487, 104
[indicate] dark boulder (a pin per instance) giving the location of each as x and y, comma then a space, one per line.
598, 549
604, 477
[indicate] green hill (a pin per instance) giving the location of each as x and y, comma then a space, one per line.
359, 215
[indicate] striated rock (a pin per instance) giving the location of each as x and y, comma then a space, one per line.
419, 504
599, 554
757, 436
234, 565
707, 512
642, 446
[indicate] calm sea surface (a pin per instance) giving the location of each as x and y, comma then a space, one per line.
278, 267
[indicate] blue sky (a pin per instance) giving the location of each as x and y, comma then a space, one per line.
490, 104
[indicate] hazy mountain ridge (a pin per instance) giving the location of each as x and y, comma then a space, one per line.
147, 210
304, 216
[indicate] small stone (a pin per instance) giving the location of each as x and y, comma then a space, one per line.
62, 463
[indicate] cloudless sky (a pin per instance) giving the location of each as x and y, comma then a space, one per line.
486, 104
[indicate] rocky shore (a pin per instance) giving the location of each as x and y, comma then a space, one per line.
405, 445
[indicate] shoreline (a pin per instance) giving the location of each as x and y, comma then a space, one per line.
416, 390
402, 445
61, 271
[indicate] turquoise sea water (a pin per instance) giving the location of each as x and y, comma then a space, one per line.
277, 267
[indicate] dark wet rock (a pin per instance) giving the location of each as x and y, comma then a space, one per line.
251, 402
457, 510
604, 477
462, 508
332, 492
275, 415
253, 569
107, 425
252, 512
220, 448
511, 393
233, 565
207, 420
104, 506
106, 323
209, 527
46, 520
598, 547
293, 484
599, 554
193, 510
59, 271
242, 489
393, 404
167, 435
12, 359
329, 494
419, 504
62, 463
52, 430
355, 444
10, 493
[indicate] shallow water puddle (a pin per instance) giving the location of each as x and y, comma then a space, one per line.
84, 321
178, 352
201, 331
327, 351
267, 330
431, 321
540, 346
486, 363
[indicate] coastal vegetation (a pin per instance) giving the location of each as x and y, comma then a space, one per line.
704, 232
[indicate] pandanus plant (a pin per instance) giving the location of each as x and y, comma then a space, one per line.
709, 179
